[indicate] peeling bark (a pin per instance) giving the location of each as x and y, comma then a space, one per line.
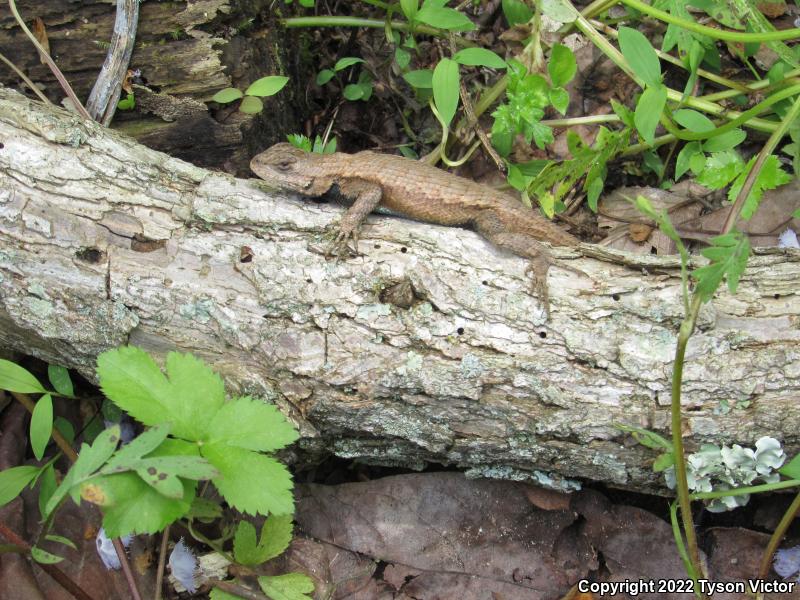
106, 242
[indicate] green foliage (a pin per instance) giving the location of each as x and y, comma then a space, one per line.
303, 3
728, 255
60, 380
276, 534
128, 103
445, 83
300, 141
769, 177
291, 586
41, 425
516, 12
14, 480
14, 378
361, 90
251, 97
435, 14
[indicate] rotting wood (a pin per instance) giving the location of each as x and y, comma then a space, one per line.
105, 242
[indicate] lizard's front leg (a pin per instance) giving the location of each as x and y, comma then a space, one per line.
365, 196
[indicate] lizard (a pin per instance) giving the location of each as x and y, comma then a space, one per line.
417, 191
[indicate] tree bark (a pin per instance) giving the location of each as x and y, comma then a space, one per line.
184, 53
106, 242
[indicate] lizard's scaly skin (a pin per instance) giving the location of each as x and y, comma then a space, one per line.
417, 191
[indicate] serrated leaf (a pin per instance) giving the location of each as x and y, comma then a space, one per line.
17, 379
421, 78
442, 17
641, 56
227, 95
291, 586
188, 467
60, 380
239, 468
276, 534
197, 392
251, 105
44, 557
41, 425
324, 76
562, 66
267, 86
648, 111
693, 120
347, 61
720, 169
728, 255
204, 510
251, 424
446, 81
144, 443
14, 480
769, 177
479, 57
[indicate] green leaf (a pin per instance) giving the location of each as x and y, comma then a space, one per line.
251, 105
421, 78
645, 437
240, 469
720, 169
227, 95
197, 392
61, 540
65, 428
218, 594
728, 255
641, 56
663, 462
792, 468
47, 485
324, 76
276, 534
559, 98
410, 8
44, 557
559, 10
444, 18
41, 425
251, 424
516, 12
479, 57
353, 92
684, 158
204, 510
291, 586
446, 81
693, 120
402, 57
298, 140
769, 177
14, 480
266, 86
129, 103
648, 110
624, 113
60, 380
125, 458
562, 66
16, 379
347, 61
725, 141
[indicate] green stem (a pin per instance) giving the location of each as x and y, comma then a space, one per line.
676, 533
717, 34
589, 120
359, 22
751, 489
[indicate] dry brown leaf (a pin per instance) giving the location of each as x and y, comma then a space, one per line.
40, 33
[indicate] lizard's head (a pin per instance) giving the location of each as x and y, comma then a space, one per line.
286, 167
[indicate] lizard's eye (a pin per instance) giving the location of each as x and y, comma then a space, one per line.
284, 165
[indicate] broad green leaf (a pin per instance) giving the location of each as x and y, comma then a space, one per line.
324, 76
444, 18
291, 586
663, 462
446, 81
648, 110
245, 545
227, 95
127, 103
41, 425
240, 469
559, 98
44, 557
204, 510
684, 158
187, 467
769, 177
645, 437
559, 10
65, 428
728, 255
693, 120
792, 468
197, 393
164, 483
725, 141
410, 8
516, 12
276, 534
267, 86
14, 480
251, 105
479, 57
562, 66
421, 78
640, 55
347, 61
353, 92
720, 169
16, 379
251, 424
60, 380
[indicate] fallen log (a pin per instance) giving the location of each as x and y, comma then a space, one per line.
428, 347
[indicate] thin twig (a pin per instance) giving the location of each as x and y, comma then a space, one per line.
162, 561
126, 568
34, 88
